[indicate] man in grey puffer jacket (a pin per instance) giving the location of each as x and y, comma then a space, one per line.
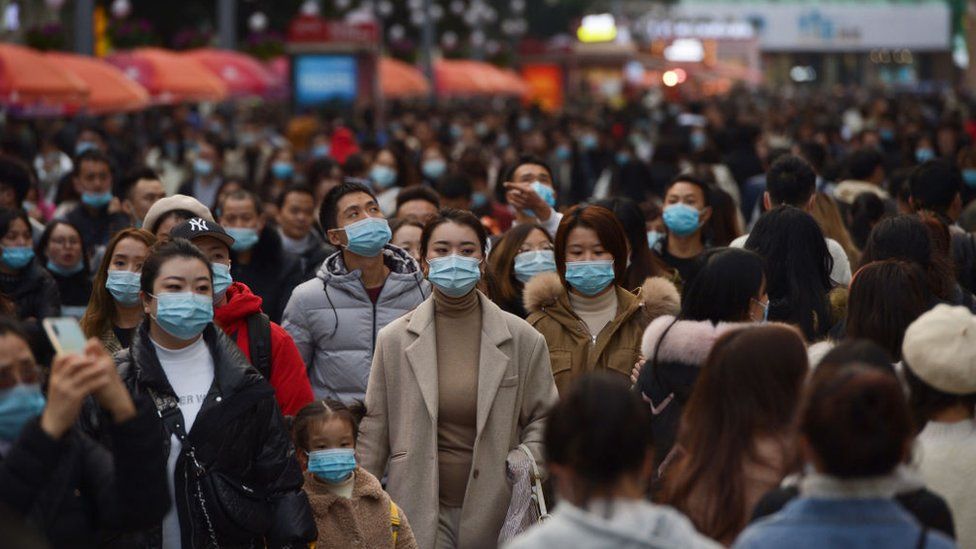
368, 283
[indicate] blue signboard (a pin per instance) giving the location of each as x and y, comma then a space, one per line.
322, 78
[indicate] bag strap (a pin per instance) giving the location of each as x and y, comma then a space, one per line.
922, 538
537, 493
657, 349
394, 521
259, 343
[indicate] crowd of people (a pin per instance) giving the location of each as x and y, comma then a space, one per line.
744, 321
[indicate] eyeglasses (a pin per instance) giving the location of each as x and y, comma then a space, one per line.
25, 371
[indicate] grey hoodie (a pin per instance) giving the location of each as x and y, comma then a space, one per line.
334, 323
621, 524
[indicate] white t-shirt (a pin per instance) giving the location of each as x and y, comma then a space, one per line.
841, 273
190, 372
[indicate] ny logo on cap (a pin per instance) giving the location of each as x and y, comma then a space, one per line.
198, 225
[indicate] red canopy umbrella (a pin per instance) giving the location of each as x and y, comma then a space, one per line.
242, 74
399, 79
465, 78
110, 89
169, 77
27, 78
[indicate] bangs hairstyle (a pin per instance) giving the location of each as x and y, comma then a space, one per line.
177, 247
322, 411
46, 239
608, 230
730, 278
458, 217
8, 216
502, 260
100, 314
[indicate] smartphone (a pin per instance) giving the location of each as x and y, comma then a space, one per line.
65, 335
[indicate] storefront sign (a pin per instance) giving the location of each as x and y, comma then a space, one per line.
545, 85
322, 78
314, 29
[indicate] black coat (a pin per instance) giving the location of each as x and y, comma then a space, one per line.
35, 296
272, 273
238, 433
96, 226
75, 290
75, 489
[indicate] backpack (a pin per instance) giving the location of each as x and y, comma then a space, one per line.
259, 343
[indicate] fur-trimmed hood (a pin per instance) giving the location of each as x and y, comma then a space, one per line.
688, 341
658, 296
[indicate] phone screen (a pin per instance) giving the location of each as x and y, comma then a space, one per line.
65, 334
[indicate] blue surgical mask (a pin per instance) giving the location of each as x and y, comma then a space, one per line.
221, 279
698, 141
924, 155
65, 271
321, 151
765, 308
282, 170
383, 176
18, 405
478, 200
124, 287
368, 236
434, 168
84, 146
622, 158
183, 315
529, 264
969, 177
454, 275
333, 465
589, 142
563, 153
590, 277
203, 167
524, 123
886, 134
546, 193
244, 238
653, 237
96, 200
681, 219
17, 257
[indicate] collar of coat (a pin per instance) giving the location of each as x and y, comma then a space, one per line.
321, 498
545, 293
396, 259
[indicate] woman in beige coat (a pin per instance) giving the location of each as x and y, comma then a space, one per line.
455, 386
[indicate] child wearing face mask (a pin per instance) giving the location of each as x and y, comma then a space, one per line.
349, 504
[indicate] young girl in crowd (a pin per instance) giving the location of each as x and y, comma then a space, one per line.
351, 509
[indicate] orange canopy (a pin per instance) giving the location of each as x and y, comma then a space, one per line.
242, 74
169, 77
464, 78
399, 79
29, 78
110, 89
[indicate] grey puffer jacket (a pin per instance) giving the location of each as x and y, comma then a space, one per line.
334, 323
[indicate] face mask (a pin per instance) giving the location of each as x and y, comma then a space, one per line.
698, 141
681, 219
503, 141
765, 308
454, 275
248, 139
17, 257
84, 146
622, 158
455, 132
524, 124
18, 405
333, 465
383, 176
368, 236
563, 153
244, 238
588, 142
282, 170
546, 193
183, 315
887, 135
434, 168
124, 287
590, 277
65, 271
529, 264
478, 200
221, 280
96, 200
202, 167
321, 151
969, 176
653, 237
924, 155
172, 150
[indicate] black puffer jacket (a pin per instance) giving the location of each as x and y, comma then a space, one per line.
35, 295
272, 273
72, 488
239, 434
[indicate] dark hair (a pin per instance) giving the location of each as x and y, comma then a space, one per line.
502, 265
643, 262
239, 194
91, 155
866, 211
101, 311
723, 227
600, 429
454, 186
321, 168
856, 421
418, 192
176, 247
692, 180
293, 188
607, 228
528, 159
10, 325
747, 389
906, 237
790, 180
935, 184
134, 176
322, 411
927, 401
459, 217
729, 279
815, 154
862, 351
179, 214
8, 216
797, 265
355, 165
329, 212
14, 173
862, 163
46, 238
410, 221
885, 298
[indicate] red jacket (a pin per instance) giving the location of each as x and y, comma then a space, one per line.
288, 375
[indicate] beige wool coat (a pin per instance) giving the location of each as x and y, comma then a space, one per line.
515, 393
